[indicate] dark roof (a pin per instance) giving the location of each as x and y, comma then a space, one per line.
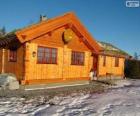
9, 41
11, 37
110, 49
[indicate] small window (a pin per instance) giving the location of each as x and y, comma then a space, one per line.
47, 55
104, 60
77, 58
116, 62
12, 56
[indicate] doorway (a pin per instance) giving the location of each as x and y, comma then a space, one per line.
95, 64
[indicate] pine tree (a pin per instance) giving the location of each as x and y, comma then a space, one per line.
136, 55
2, 31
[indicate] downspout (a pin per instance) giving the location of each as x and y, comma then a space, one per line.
98, 64
111, 66
3, 61
25, 60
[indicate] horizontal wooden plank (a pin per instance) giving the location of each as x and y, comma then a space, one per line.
56, 80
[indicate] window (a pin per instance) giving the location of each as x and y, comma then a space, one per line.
116, 61
47, 55
104, 60
77, 58
12, 56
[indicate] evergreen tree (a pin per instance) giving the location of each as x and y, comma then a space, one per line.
2, 31
136, 55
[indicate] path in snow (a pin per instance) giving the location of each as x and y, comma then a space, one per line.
124, 101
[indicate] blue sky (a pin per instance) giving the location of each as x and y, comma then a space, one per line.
107, 20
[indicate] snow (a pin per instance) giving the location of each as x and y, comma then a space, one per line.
122, 83
123, 100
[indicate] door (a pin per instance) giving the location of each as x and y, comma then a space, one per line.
95, 64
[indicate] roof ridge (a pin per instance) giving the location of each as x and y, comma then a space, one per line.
42, 22
43, 27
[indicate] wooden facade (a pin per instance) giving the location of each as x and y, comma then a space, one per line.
109, 68
12, 67
49, 34
63, 70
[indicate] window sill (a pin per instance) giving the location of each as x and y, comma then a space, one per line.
12, 61
78, 64
47, 63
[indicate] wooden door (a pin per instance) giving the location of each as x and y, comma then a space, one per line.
95, 63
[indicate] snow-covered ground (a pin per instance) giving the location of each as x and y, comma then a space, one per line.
120, 101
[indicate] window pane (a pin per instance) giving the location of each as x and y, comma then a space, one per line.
104, 60
40, 54
47, 50
116, 61
53, 60
77, 58
53, 55
53, 51
40, 59
12, 56
81, 58
47, 55
40, 49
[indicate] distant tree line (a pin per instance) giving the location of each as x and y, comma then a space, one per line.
136, 56
132, 68
2, 31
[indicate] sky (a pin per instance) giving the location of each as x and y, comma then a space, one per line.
107, 20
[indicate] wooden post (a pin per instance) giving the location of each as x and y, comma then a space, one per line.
98, 58
3, 61
27, 51
26, 60
65, 63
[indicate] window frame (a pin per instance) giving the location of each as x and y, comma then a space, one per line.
74, 57
104, 61
14, 55
44, 61
116, 61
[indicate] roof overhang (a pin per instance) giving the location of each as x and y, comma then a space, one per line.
110, 55
47, 26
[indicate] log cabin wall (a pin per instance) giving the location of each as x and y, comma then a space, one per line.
63, 70
110, 67
13, 67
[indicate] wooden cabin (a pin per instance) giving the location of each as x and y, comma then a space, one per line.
55, 50
111, 61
